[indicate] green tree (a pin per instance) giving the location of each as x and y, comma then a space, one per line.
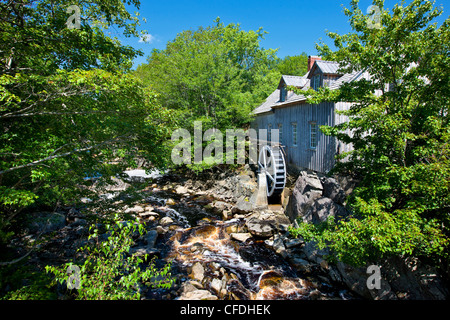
216, 75
293, 65
68, 106
399, 128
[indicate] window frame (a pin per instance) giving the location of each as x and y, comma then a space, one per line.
280, 133
269, 132
313, 135
294, 134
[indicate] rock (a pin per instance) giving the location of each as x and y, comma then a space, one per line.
278, 246
243, 205
166, 221
307, 189
198, 295
285, 195
216, 285
221, 207
414, 280
151, 237
356, 280
161, 230
291, 243
300, 264
148, 214
313, 253
308, 181
198, 272
170, 202
46, 222
135, 209
182, 190
242, 237
260, 228
321, 209
332, 190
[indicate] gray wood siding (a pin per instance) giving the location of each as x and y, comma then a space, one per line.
339, 118
321, 158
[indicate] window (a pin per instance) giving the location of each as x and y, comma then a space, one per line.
283, 94
280, 132
313, 135
294, 134
315, 82
269, 132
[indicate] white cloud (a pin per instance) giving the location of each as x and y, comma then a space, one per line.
148, 38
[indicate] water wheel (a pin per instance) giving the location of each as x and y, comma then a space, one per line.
271, 162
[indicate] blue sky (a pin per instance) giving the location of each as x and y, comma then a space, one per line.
294, 26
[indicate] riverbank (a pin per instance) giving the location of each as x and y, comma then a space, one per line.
220, 247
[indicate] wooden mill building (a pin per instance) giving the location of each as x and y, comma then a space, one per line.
298, 122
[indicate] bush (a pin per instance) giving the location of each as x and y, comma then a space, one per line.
109, 272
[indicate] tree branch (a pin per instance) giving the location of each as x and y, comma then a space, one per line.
34, 163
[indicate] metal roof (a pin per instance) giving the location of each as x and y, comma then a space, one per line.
294, 81
327, 67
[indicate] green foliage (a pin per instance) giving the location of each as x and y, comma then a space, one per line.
68, 106
216, 75
110, 272
25, 283
293, 65
401, 136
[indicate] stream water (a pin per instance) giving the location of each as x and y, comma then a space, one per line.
231, 269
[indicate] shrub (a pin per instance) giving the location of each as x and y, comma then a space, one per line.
109, 271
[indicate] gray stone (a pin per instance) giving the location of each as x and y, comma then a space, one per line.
198, 272
243, 205
321, 209
46, 222
151, 237
135, 209
290, 243
332, 190
278, 246
240, 236
166, 221
313, 253
356, 280
300, 264
216, 285
181, 190
260, 228
198, 295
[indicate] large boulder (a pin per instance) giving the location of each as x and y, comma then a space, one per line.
333, 190
307, 189
321, 209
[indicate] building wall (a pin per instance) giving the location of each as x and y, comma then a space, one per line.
321, 158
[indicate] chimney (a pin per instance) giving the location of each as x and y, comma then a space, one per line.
311, 60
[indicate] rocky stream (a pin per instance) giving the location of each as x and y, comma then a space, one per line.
221, 248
